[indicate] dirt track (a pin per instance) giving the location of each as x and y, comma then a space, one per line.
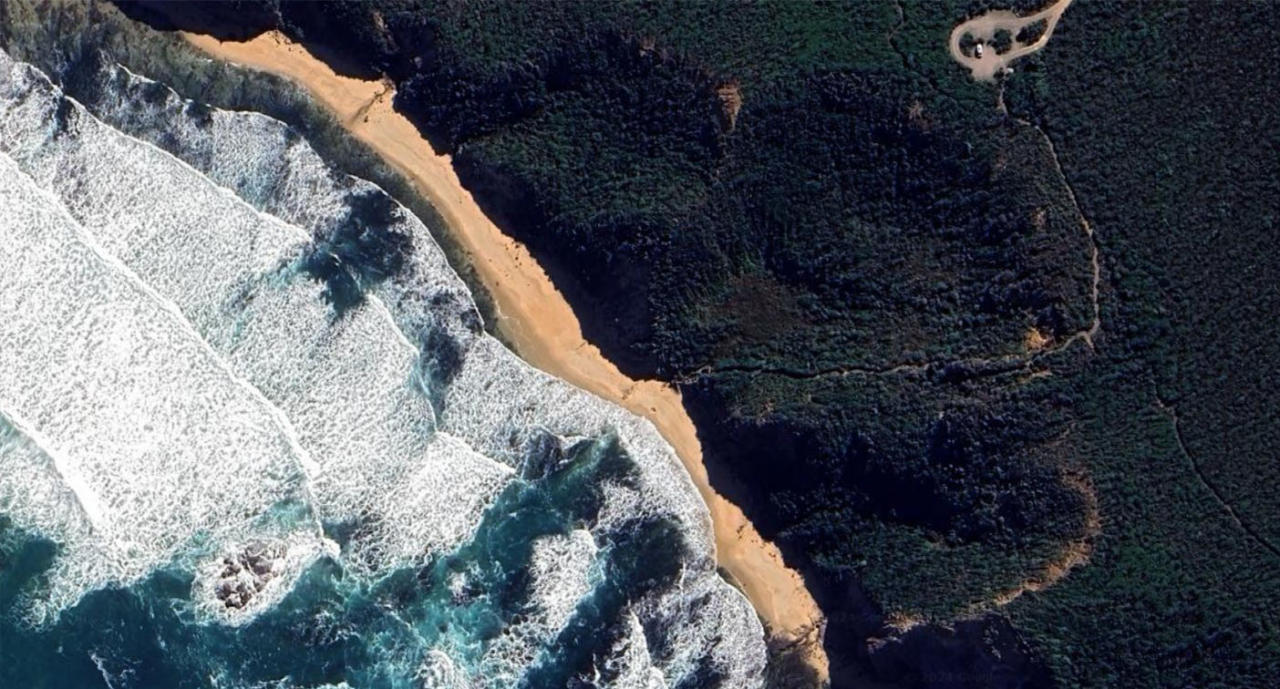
984, 27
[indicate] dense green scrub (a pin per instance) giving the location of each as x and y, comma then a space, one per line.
1173, 148
876, 290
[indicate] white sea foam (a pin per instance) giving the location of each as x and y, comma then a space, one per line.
279, 562
416, 479
439, 671
560, 574
346, 384
278, 172
630, 662
702, 623
163, 449
37, 496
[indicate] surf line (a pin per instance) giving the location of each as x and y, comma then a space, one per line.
536, 319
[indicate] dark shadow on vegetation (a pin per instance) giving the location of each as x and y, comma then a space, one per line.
984, 653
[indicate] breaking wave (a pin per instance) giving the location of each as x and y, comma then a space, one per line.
252, 431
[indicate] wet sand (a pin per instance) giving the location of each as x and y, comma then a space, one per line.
535, 318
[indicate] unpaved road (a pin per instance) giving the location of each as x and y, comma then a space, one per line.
983, 28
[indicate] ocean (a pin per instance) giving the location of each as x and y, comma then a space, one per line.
253, 434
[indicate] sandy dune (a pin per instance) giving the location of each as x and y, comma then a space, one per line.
535, 317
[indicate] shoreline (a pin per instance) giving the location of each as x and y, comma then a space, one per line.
534, 317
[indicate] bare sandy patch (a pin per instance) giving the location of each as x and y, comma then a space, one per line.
1035, 340
730, 95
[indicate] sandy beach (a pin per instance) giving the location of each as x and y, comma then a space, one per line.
536, 319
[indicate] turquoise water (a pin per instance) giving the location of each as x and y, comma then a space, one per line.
332, 628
